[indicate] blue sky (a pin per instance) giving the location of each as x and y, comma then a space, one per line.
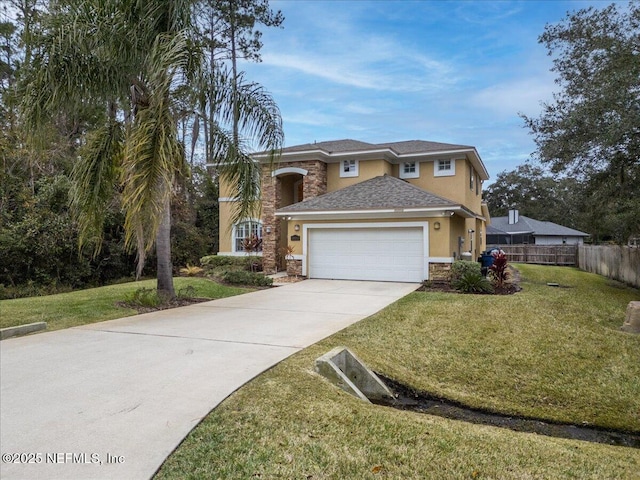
381, 71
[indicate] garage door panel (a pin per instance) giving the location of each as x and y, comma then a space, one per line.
385, 254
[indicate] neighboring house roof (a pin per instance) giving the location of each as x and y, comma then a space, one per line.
501, 226
395, 152
383, 192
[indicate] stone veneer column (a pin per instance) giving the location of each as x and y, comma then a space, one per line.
315, 182
271, 193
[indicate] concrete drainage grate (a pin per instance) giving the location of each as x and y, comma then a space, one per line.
345, 370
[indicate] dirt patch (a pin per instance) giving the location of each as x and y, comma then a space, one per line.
423, 402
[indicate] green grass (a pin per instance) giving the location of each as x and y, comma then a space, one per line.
95, 304
555, 353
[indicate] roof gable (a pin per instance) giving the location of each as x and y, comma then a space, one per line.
379, 192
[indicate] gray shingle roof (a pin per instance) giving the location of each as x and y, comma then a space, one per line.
409, 146
378, 192
530, 225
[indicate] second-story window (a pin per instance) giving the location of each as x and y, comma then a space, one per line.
409, 170
472, 176
349, 168
444, 168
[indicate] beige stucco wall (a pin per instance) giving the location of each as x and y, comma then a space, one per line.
449, 187
366, 170
225, 226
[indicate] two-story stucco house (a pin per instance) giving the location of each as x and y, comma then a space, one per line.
399, 211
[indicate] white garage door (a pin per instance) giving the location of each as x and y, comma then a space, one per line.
386, 254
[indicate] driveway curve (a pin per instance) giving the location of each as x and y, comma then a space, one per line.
113, 399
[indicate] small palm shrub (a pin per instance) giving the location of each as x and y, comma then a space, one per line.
191, 270
242, 277
473, 282
143, 297
460, 268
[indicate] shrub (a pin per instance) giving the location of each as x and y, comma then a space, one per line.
242, 277
187, 292
246, 262
473, 282
498, 270
217, 260
460, 268
143, 297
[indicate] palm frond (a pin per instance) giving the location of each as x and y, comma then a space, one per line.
238, 169
94, 177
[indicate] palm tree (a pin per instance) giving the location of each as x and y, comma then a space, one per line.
130, 57
127, 56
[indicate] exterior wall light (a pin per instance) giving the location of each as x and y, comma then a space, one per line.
436, 226
268, 229
296, 227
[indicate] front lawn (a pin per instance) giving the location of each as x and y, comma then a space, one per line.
549, 352
92, 305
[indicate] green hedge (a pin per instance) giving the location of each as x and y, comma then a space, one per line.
247, 262
242, 277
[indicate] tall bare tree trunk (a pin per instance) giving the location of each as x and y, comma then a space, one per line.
163, 253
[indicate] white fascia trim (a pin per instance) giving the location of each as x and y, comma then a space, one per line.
435, 153
423, 225
282, 171
432, 209
333, 212
440, 259
239, 254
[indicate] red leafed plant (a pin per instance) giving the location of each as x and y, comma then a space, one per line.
499, 273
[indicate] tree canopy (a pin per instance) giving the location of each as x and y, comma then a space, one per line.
107, 90
536, 194
591, 130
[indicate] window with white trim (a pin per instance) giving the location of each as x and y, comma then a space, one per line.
247, 236
444, 168
410, 170
349, 168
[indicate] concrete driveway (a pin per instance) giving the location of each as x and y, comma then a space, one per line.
114, 399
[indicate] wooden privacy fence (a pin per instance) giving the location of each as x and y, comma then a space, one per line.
565, 255
621, 263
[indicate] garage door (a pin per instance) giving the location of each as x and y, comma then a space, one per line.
386, 254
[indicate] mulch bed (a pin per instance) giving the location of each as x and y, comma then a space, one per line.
178, 302
509, 288
289, 279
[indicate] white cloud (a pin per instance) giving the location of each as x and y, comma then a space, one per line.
521, 95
